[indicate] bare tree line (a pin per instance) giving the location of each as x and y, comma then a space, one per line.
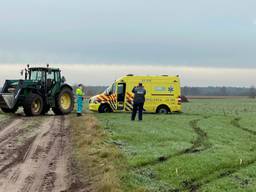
194, 91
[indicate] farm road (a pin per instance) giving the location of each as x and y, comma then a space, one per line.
34, 154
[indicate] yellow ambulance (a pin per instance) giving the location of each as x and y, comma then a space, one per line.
163, 95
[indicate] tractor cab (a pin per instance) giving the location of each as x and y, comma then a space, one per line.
47, 77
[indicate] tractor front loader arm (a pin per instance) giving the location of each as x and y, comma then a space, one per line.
9, 94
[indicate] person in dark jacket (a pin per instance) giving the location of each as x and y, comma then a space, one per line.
138, 101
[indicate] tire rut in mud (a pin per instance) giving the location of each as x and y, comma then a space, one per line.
5, 122
195, 184
10, 127
11, 150
200, 144
236, 123
50, 177
41, 162
18, 156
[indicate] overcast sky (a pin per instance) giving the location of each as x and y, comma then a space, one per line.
107, 74
181, 33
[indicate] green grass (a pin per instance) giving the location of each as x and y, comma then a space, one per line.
209, 147
93, 159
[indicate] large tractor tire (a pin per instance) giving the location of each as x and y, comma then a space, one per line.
64, 102
7, 110
33, 105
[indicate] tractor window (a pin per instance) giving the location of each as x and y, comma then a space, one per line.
57, 76
50, 79
50, 75
36, 75
53, 75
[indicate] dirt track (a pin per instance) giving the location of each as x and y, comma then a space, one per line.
35, 154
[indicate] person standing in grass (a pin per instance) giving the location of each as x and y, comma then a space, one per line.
138, 101
79, 99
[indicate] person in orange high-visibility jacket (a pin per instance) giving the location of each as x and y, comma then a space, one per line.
79, 99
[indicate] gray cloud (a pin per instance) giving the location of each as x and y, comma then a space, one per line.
165, 32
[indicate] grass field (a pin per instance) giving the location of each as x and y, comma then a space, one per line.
209, 147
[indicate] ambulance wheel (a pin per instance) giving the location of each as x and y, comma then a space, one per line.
105, 108
163, 109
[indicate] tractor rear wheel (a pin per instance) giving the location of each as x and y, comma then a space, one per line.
64, 102
33, 105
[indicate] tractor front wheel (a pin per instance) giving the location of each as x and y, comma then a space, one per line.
64, 102
33, 105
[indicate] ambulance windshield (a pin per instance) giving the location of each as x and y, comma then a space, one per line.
110, 90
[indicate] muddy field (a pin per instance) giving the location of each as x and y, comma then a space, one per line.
35, 154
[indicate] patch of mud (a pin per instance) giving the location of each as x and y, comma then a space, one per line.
190, 186
5, 122
38, 161
16, 156
11, 130
201, 142
244, 182
76, 184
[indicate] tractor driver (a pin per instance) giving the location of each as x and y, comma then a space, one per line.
80, 98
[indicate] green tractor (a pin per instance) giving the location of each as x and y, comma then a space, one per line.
43, 89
